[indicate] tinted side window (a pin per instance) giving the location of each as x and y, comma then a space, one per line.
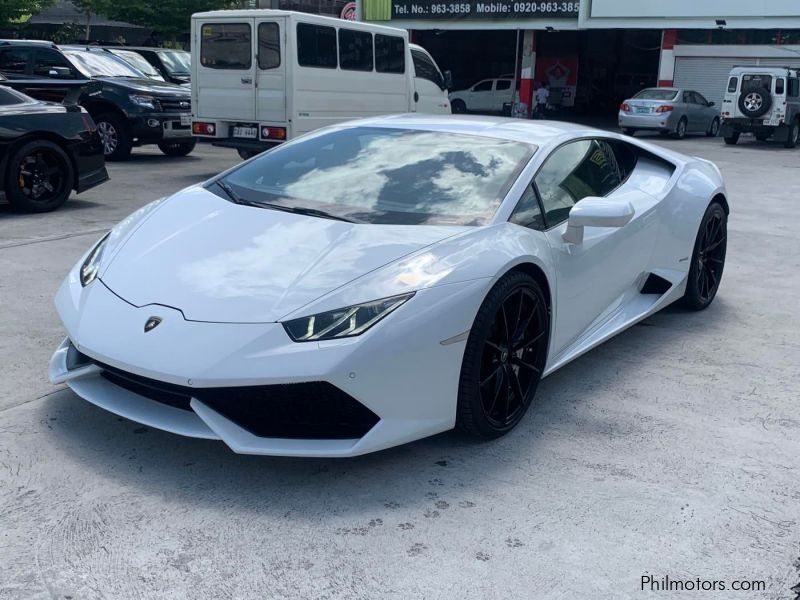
269, 46
46, 59
483, 86
226, 46
573, 172
700, 99
13, 61
426, 69
528, 213
355, 50
794, 87
503, 84
8, 97
316, 46
390, 54
780, 86
733, 83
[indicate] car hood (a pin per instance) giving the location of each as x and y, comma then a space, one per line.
222, 262
151, 86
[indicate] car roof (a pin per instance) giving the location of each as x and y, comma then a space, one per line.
759, 70
40, 43
519, 130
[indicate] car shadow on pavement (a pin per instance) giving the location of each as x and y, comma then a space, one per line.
204, 472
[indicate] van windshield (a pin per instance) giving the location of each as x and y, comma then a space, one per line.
384, 176
656, 94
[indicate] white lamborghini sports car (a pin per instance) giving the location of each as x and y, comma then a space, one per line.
387, 279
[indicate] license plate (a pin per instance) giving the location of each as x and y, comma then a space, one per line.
186, 119
772, 122
643, 109
245, 132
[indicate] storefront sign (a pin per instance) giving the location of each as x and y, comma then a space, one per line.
386, 10
349, 12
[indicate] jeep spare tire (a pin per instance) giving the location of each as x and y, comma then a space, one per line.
755, 102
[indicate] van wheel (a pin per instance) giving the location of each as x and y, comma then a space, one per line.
458, 107
733, 138
117, 141
794, 133
183, 148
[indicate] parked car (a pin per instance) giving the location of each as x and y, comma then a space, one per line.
261, 77
764, 101
487, 95
174, 66
128, 108
134, 59
386, 280
669, 111
46, 151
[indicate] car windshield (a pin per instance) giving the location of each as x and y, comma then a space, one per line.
656, 94
96, 64
385, 176
176, 62
138, 61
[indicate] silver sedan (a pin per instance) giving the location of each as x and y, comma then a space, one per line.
670, 111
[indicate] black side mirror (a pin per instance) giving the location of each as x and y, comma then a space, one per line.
448, 80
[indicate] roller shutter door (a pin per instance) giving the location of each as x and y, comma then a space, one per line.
707, 75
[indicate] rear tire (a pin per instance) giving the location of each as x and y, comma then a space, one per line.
114, 134
733, 138
504, 358
458, 107
708, 259
182, 148
713, 130
680, 129
39, 177
794, 133
629, 131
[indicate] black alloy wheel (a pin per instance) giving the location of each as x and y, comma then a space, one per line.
504, 358
114, 135
708, 258
39, 177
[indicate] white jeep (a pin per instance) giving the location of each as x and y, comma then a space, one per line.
764, 101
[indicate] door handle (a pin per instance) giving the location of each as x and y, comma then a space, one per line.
416, 96
247, 80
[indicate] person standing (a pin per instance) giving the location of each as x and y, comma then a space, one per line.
542, 97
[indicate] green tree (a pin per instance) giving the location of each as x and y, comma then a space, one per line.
12, 11
89, 9
169, 18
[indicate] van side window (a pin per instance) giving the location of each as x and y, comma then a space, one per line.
316, 46
732, 84
780, 86
390, 54
226, 46
355, 50
269, 46
426, 69
794, 87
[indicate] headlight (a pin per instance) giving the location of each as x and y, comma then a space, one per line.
144, 101
91, 266
343, 322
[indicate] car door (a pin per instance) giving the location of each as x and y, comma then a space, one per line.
480, 96
706, 111
271, 70
593, 276
225, 86
688, 109
502, 94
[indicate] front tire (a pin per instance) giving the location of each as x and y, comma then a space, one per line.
183, 148
708, 259
114, 134
504, 358
39, 177
457, 107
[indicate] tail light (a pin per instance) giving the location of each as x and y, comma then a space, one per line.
625, 107
664, 108
273, 133
200, 128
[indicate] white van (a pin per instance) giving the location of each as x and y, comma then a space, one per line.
260, 77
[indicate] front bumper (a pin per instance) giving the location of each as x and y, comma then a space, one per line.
661, 122
399, 370
154, 127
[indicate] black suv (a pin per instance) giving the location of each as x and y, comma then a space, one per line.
129, 109
173, 65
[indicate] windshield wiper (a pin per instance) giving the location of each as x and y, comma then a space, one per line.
235, 198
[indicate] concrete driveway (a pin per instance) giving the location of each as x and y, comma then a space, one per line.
671, 451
